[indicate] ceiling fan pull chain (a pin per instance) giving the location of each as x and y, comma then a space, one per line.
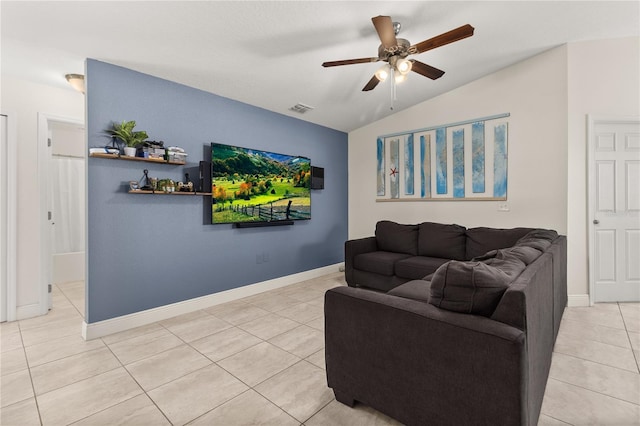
393, 86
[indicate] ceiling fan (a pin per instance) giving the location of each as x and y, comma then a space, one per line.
394, 52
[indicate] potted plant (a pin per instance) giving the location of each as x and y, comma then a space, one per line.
124, 132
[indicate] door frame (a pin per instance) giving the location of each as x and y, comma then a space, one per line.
10, 303
44, 164
592, 121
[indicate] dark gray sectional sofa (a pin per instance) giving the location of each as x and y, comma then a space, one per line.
443, 325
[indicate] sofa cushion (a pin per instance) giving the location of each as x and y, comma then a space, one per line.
397, 238
416, 290
524, 253
472, 287
416, 267
482, 240
439, 240
379, 262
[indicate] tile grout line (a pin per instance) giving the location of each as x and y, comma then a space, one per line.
574, 337
139, 385
633, 352
596, 362
265, 397
69, 384
249, 387
191, 346
33, 389
267, 378
555, 418
71, 302
594, 391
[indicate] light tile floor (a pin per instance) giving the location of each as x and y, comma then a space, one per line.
260, 360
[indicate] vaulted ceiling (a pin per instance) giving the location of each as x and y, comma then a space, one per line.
269, 53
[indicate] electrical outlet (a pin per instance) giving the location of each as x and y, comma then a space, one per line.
503, 207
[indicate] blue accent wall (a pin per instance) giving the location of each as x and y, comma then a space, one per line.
146, 251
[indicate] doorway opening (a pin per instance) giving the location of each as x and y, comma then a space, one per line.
62, 168
67, 177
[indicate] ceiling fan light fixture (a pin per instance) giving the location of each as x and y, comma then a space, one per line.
382, 73
403, 66
399, 78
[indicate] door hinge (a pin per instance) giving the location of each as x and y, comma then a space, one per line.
48, 141
49, 215
49, 288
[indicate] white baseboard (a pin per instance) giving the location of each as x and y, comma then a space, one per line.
138, 319
578, 300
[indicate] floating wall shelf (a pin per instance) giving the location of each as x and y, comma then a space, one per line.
139, 191
148, 160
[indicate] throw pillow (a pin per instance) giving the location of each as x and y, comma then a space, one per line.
539, 239
397, 238
468, 287
525, 254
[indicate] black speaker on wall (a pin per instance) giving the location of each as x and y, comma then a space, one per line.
200, 176
317, 178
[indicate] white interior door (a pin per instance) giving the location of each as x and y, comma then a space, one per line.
614, 210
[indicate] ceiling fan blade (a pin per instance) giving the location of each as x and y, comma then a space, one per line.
384, 27
371, 84
426, 70
445, 38
349, 62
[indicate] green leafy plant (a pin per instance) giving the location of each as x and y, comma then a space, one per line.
124, 132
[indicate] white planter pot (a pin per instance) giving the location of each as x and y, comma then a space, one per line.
129, 151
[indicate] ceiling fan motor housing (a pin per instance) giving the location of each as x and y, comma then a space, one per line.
401, 49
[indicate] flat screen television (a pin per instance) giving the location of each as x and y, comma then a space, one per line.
250, 185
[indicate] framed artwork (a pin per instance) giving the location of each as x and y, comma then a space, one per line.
466, 160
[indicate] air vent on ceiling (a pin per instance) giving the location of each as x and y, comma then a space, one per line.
301, 108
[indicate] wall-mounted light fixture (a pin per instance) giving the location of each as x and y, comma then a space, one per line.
76, 81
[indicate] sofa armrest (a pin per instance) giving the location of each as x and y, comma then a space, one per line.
352, 248
420, 364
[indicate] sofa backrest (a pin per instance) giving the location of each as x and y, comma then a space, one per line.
451, 241
397, 238
481, 240
440, 240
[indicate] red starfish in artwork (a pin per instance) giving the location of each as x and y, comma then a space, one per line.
394, 171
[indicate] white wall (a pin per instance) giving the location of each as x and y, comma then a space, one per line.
604, 79
26, 100
534, 92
